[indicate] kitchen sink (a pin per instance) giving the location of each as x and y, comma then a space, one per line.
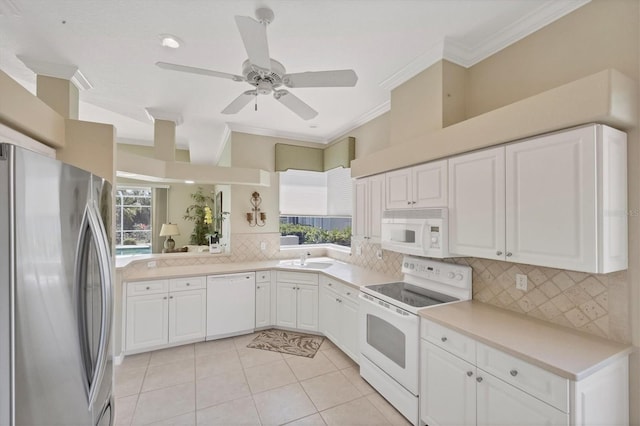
309, 264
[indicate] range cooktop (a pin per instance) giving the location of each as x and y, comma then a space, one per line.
411, 295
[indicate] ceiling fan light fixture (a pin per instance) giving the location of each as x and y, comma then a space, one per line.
170, 41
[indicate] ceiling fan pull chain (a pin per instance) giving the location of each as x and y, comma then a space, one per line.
256, 105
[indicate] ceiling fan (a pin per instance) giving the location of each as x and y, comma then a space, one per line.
268, 75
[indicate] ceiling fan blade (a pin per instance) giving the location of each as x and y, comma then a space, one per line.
200, 71
254, 37
295, 104
335, 78
240, 102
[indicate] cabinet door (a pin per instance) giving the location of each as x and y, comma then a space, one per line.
147, 321
307, 309
263, 304
500, 404
329, 314
477, 204
286, 304
375, 206
447, 388
187, 315
359, 219
398, 189
550, 201
430, 184
349, 326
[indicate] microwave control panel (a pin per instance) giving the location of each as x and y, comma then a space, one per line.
434, 235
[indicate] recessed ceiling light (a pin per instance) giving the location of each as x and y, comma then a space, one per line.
313, 126
189, 181
170, 41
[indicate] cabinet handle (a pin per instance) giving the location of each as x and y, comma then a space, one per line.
348, 293
170, 297
165, 298
408, 203
188, 284
330, 285
413, 202
469, 373
509, 254
498, 253
444, 339
148, 288
258, 287
513, 372
479, 379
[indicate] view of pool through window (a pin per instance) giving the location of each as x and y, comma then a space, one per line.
133, 220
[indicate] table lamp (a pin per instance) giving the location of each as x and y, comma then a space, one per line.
168, 230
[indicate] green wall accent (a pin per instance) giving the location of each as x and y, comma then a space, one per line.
298, 157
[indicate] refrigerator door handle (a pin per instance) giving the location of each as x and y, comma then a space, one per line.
93, 223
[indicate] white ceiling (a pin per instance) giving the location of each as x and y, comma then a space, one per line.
115, 44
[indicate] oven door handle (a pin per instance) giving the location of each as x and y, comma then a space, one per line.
389, 308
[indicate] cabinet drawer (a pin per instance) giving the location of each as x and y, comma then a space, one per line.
297, 277
263, 276
140, 288
349, 292
189, 283
449, 340
542, 384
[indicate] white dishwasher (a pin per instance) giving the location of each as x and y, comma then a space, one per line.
231, 304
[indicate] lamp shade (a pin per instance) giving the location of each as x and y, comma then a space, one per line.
169, 229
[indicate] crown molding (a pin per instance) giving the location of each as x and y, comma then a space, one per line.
363, 119
50, 69
159, 114
9, 8
241, 128
416, 66
469, 51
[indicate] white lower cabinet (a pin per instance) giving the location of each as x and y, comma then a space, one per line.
263, 299
164, 312
297, 300
339, 315
465, 382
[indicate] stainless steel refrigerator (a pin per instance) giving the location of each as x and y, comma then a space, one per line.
55, 292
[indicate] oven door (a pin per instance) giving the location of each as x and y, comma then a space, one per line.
389, 338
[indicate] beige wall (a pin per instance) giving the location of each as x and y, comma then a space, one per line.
90, 146
371, 136
602, 34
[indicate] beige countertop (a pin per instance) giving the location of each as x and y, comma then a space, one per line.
567, 353
349, 274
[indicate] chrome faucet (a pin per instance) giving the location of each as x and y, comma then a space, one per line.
303, 258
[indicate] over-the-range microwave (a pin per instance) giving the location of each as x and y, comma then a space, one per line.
421, 232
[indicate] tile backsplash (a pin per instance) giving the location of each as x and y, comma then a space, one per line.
596, 304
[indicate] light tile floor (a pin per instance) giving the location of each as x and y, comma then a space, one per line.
222, 382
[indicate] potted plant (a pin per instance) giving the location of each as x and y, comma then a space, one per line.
200, 213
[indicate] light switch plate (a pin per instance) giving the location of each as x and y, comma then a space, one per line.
151, 264
263, 245
379, 254
358, 250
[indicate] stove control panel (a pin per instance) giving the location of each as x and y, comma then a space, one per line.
438, 272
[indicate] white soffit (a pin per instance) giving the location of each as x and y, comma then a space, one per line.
65, 72
468, 51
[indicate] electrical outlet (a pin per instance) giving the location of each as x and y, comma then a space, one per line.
521, 282
379, 254
263, 245
151, 264
358, 250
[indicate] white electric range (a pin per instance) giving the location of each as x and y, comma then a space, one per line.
390, 326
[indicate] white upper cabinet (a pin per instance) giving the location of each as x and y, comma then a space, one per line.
558, 200
368, 207
476, 204
417, 187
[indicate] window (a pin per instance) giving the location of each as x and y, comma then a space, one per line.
315, 207
133, 220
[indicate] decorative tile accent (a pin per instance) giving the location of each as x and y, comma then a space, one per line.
595, 304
